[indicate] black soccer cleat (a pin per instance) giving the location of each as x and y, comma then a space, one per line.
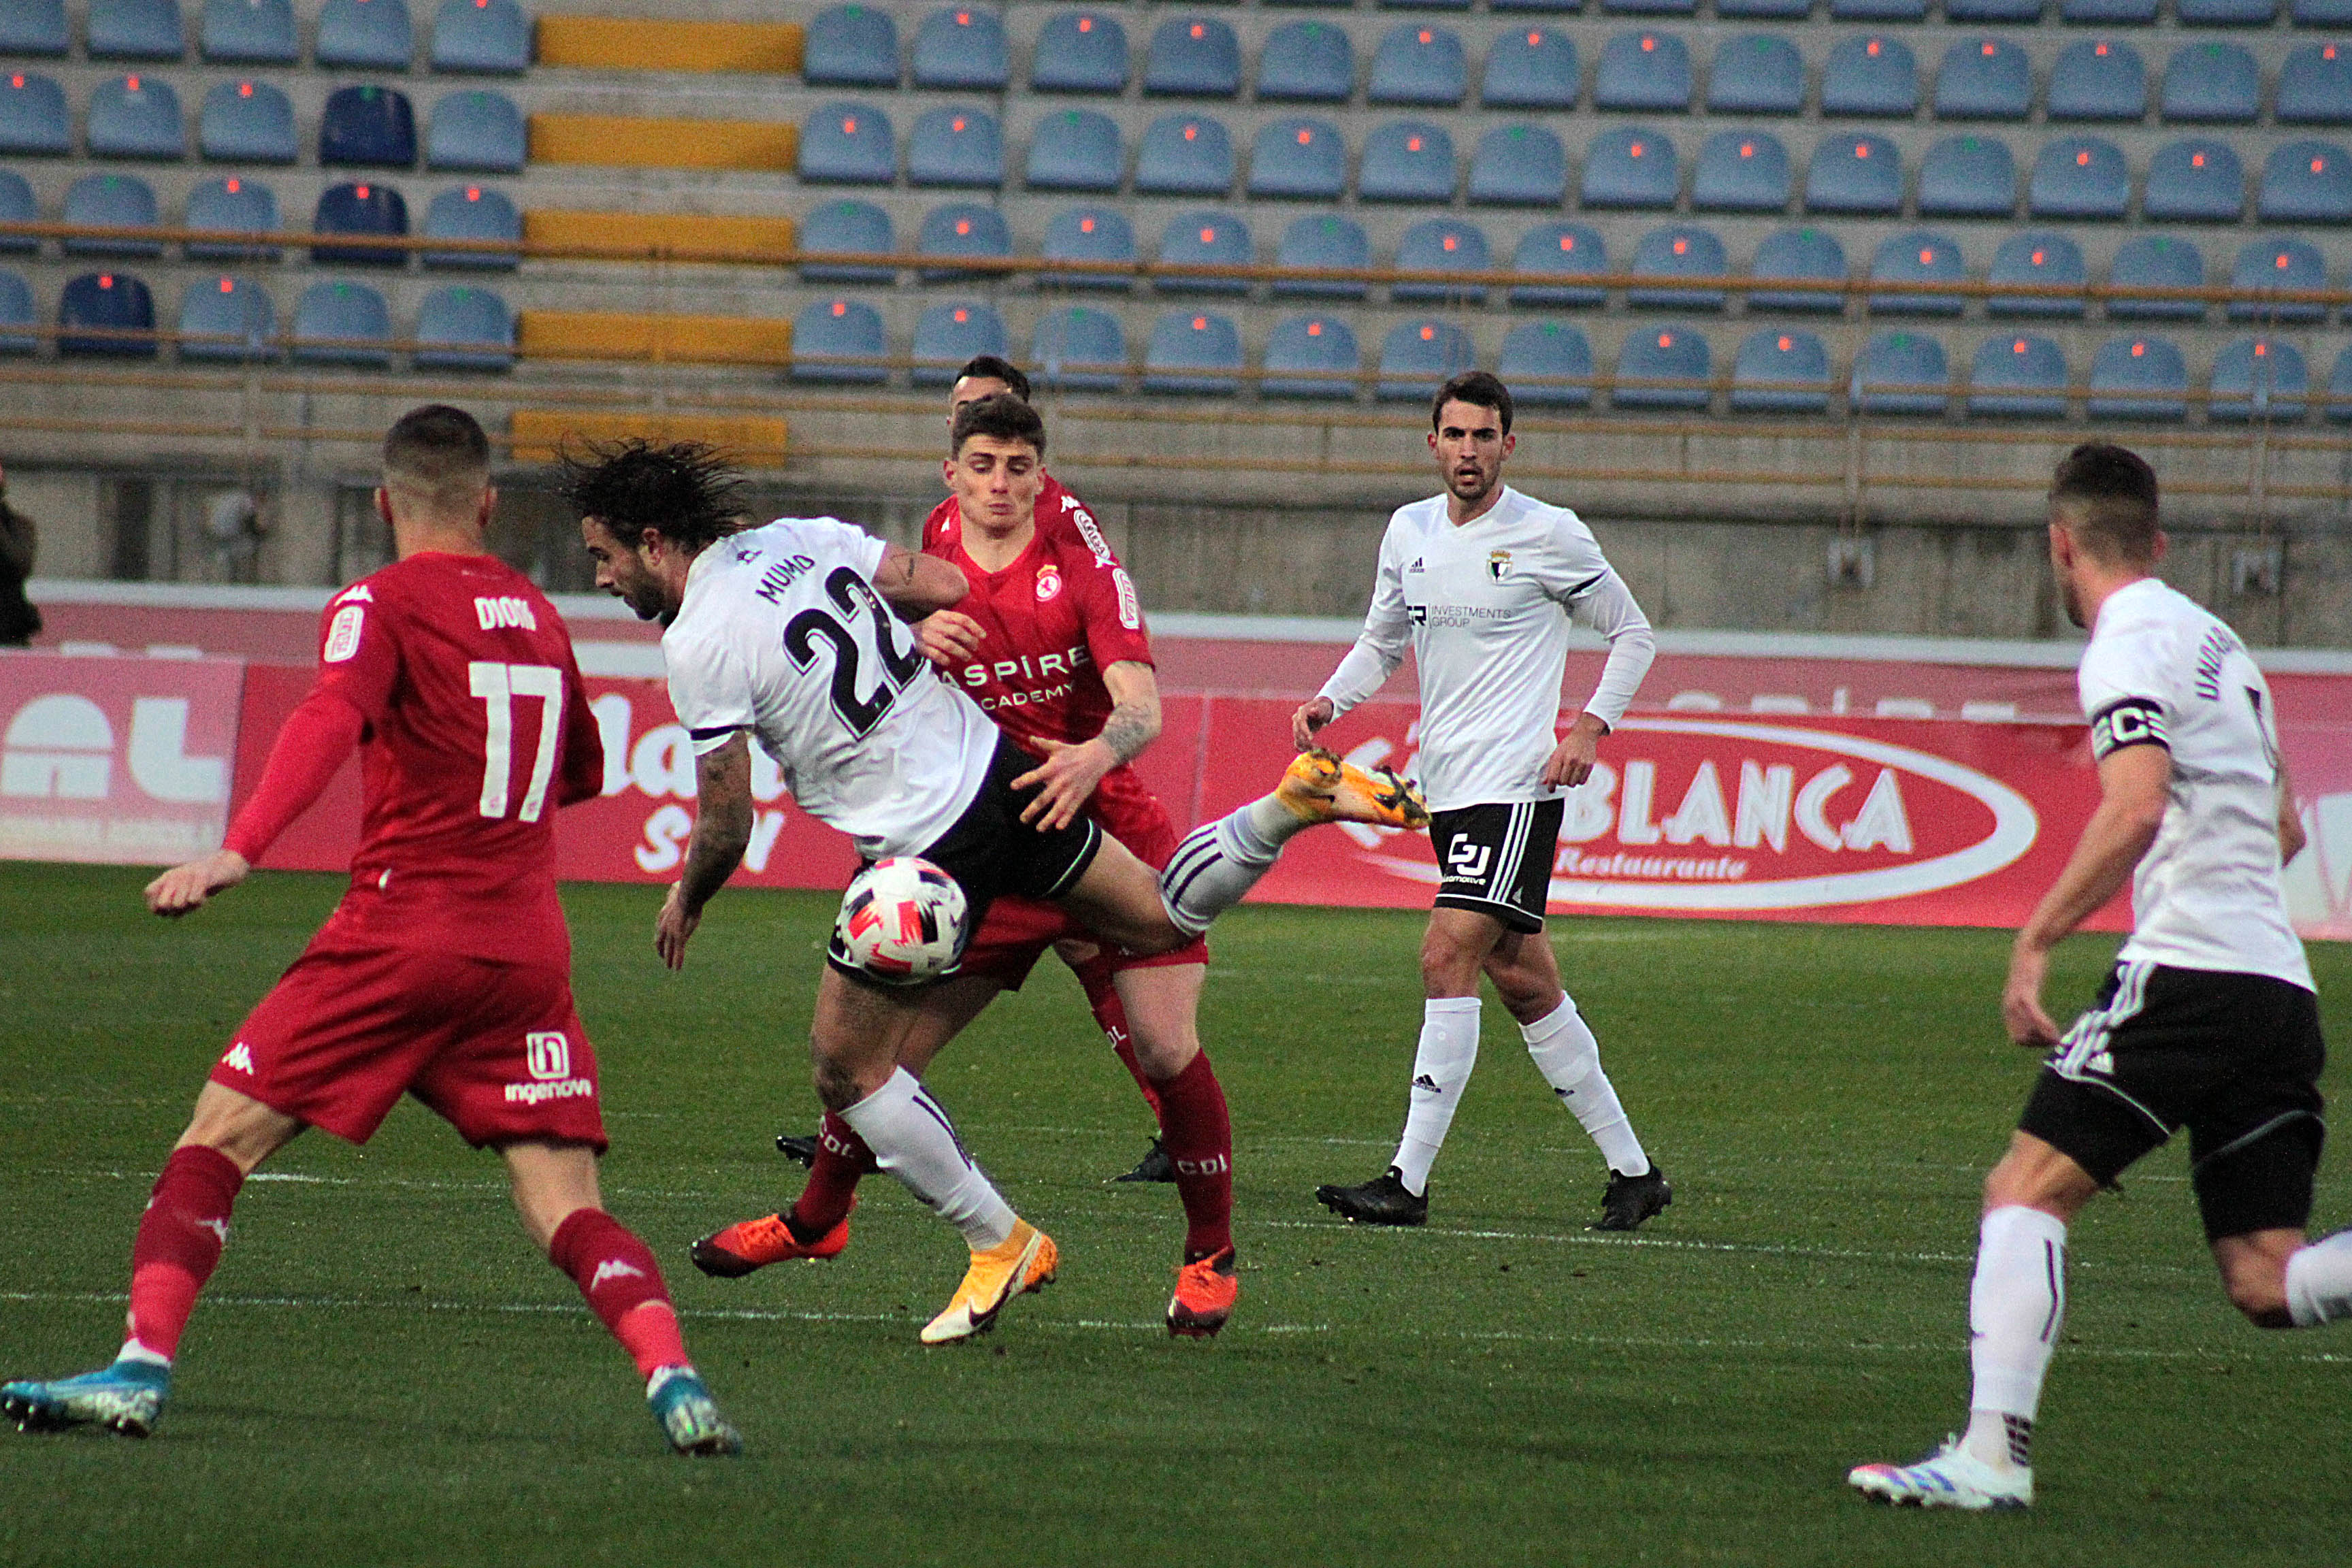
1630, 1200
1381, 1201
1157, 1165
803, 1150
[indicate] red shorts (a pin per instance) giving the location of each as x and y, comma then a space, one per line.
495, 1048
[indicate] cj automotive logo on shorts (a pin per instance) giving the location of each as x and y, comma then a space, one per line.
548, 1058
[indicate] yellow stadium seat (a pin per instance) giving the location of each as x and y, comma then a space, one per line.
538, 434
678, 340
685, 236
638, 141
621, 42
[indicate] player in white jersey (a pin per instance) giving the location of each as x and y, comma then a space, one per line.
2209, 1019
1483, 582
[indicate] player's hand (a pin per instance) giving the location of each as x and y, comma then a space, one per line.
1312, 715
673, 928
947, 638
185, 888
1066, 781
1571, 761
2021, 1000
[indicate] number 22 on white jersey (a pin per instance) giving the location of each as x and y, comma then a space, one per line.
498, 685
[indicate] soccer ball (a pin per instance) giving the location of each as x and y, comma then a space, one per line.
902, 922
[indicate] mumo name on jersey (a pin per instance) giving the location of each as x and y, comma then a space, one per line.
1068, 662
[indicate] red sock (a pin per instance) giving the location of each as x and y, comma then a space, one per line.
1200, 1141
180, 1239
842, 1161
1111, 1013
622, 1285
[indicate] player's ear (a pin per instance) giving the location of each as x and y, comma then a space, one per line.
2162, 547
488, 504
384, 505
947, 473
1509, 442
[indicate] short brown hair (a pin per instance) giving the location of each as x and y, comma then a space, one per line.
1001, 415
1480, 389
2109, 497
996, 367
438, 453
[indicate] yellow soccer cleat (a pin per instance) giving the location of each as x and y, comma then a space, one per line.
1320, 788
1026, 1261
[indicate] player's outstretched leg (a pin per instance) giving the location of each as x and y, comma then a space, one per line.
1220, 861
622, 1285
817, 1225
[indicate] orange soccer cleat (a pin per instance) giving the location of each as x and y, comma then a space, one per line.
1205, 1294
753, 1244
1026, 1261
1320, 786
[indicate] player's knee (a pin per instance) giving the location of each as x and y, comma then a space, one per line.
1448, 968
837, 1087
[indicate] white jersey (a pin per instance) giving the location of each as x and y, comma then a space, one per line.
781, 633
2161, 672
1487, 606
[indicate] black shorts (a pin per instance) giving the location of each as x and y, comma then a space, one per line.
2235, 1057
990, 852
1496, 860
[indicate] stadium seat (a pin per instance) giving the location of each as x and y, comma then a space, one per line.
2212, 83
1419, 65
490, 37
34, 27
1757, 73
851, 46
246, 122
1783, 10
135, 117
1075, 150
2156, 262
2306, 182
1993, 10
115, 311
477, 129
2097, 79
1205, 238
1325, 239
1192, 155
2043, 259
959, 147
1310, 356
1195, 352
1089, 234
1809, 255
1918, 256
2078, 176
1406, 161
1741, 171
948, 336
1685, 250
1646, 70
2138, 378
1545, 6
19, 321
465, 329
1670, 353
2281, 261
1080, 52
1444, 248
17, 206
1307, 62
1079, 350
1519, 165
33, 116
1779, 371
1532, 68
1901, 372
135, 30
366, 34
2195, 181
2017, 376
2121, 13
960, 229
2339, 389
1878, 10
1630, 168
1646, 8
228, 320
1564, 249
235, 204
472, 212
845, 228
1984, 79
367, 128
1418, 357
110, 201
361, 207
1546, 363
1968, 176
2226, 13
841, 341
1861, 175
2314, 86
962, 46
2258, 378
1870, 76
1194, 56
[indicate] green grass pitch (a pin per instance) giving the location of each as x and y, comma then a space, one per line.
385, 1371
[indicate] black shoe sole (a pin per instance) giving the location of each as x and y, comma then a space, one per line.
798, 1148
1155, 1166
1650, 1210
1340, 1202
719, 1263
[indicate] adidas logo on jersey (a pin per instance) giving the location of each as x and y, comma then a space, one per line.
1416, 565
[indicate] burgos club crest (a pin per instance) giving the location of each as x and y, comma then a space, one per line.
1498, 564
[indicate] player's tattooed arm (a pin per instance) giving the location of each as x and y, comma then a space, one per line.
914, 585
1066, 779
1134, 721
722, 830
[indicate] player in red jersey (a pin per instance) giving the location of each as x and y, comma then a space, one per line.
445, 971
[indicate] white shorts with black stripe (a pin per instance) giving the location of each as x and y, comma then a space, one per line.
1496, 860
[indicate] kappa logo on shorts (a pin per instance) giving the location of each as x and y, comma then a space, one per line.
549, 1054
239, 1059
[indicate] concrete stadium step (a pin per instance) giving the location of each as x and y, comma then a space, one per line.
689, 236
635, 335
643, 44
539, 434
659, 143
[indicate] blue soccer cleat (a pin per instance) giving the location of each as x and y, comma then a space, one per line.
689, 1417
125, 1397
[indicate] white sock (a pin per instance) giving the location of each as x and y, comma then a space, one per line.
1568, 1056
2319, 1281
2016, 1306
913, 1140
1220, 861
1440, 1068
134, 1351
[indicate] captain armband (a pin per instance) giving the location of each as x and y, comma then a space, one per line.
2134, 721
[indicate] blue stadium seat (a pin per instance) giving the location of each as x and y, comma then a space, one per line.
465, 329
846, 228
1080, 52
962, 46
2314, 86
2339, 388
228, 320
949, 336
107, 315
1307, 62
1310, 356
1645, 8
246, 122
1810, 255
851, 46
1878, 10
2258, 378
961, 229
489, 38
1531, 68
1919, 256
2097, 79
135, 117
1079, 350
1984, 79
342, 323
1630, 168
841, 341
1194, 56
1562, 249
33, 115
1075, 150
34, 27
1444, 248
2280, 262
2195, 181
2306, 182
2042, 258
368, 35
1783, 10
2212, 83
1507, 5
1406, 161
1741, 171
1670, 353
17, 206
2138, 378
20, 323
110, 201
2017, 376
1325, 239
1968, 176
1205, 238
1874, 76
2156, 262
2118, 13
1779, 371
136, 30
1547, 365
1419, 64
367, 128
1519, 165
1646, 70
1757, 73
1192, 155
959, 147
1901, 372
472, 212
233, 205
1861, 175
477, 129
1192, 352
360, 207
1089, 234
1684, 250
2078, 176
1418, 357
2226, 13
